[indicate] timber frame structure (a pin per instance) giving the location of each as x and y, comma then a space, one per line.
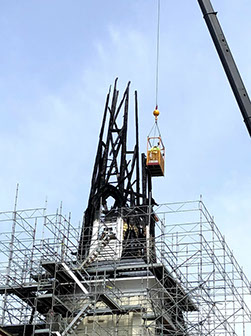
116, 174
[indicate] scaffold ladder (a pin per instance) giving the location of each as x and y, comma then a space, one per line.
77, 320
108, 236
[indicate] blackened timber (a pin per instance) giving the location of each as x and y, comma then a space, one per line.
111, 122
122, 102
137, 147
129, 184
95, 183
144, 177
123, 140
116, 174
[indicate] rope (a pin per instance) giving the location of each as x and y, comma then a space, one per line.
158, 129
157, 52
155, 128
151, 130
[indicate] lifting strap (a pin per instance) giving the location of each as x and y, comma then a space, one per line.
155, 131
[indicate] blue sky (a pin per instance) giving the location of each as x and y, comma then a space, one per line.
57, 61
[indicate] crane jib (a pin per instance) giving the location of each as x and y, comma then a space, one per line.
227, 61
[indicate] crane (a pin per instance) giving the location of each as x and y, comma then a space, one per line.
227, 61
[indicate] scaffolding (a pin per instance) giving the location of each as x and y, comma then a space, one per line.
183, 281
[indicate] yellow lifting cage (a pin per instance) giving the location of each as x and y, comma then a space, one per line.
155, 156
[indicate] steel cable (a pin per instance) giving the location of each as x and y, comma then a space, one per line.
157, 51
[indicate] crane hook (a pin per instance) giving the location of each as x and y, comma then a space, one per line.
156, 113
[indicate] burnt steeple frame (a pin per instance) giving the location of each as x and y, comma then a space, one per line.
116, 173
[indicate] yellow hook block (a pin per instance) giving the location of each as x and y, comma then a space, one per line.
156, 113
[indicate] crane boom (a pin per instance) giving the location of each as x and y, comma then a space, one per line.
227, 61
